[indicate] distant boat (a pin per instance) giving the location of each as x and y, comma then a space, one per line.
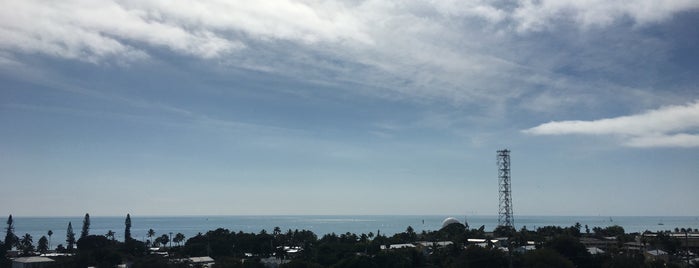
610, 219
661, 222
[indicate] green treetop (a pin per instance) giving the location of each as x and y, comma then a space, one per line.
86, 226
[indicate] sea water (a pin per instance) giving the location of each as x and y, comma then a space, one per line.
320, 225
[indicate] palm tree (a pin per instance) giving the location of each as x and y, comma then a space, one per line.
150, 235
164, 239
277, 231
26, 244
110, 235
50, 233
179, 237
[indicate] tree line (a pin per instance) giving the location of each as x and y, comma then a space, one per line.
555, 247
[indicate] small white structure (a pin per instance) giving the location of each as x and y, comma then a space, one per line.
438, 244
288, 249
31, 262
595, 250
657, 254
481, 242
448, 221
205, 261
397, 246
523, 249
56, 254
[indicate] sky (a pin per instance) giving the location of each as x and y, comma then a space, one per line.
359, 107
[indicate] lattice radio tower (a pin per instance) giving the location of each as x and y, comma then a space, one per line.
505, 212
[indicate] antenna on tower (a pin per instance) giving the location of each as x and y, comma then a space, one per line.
505, 209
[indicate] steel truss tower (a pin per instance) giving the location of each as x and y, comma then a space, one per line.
505, 211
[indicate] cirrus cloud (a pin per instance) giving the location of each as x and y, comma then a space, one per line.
538, 15
80, 29
462, 51
670, 126
103, 29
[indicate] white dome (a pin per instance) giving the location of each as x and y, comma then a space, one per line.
449, 221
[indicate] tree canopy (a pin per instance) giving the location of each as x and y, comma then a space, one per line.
10, 237
70, 237
86, 226
127, 228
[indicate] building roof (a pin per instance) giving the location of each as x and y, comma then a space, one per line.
36, 259
201, 259
483, 245
595, 250
396, 246
440, 243
657, 252
526, 248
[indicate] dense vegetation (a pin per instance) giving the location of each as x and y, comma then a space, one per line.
550, 246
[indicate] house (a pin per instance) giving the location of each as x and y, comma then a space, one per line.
598, 243
595, 250
205, 261
481, 242
523, 249
397, 246
499, 242
202, 261
430, 244
634, 246
657, 254
31, 262
428, 247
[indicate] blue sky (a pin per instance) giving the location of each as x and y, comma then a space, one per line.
348, 107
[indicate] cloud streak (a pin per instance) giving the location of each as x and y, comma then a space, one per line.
79, 29
461, 51
533, 15
670, 126
96, 30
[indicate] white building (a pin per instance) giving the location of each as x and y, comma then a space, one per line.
31, 262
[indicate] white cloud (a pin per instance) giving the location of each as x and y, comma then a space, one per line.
462, 51
676, 140
97, 29
670, 126
475, 8
285, 19
542, 14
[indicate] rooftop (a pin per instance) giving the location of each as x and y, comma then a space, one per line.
36, 259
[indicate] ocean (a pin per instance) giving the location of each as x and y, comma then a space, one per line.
320, 225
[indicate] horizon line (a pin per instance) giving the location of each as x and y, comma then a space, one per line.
330, 215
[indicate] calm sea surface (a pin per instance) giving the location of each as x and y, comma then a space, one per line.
191, 225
